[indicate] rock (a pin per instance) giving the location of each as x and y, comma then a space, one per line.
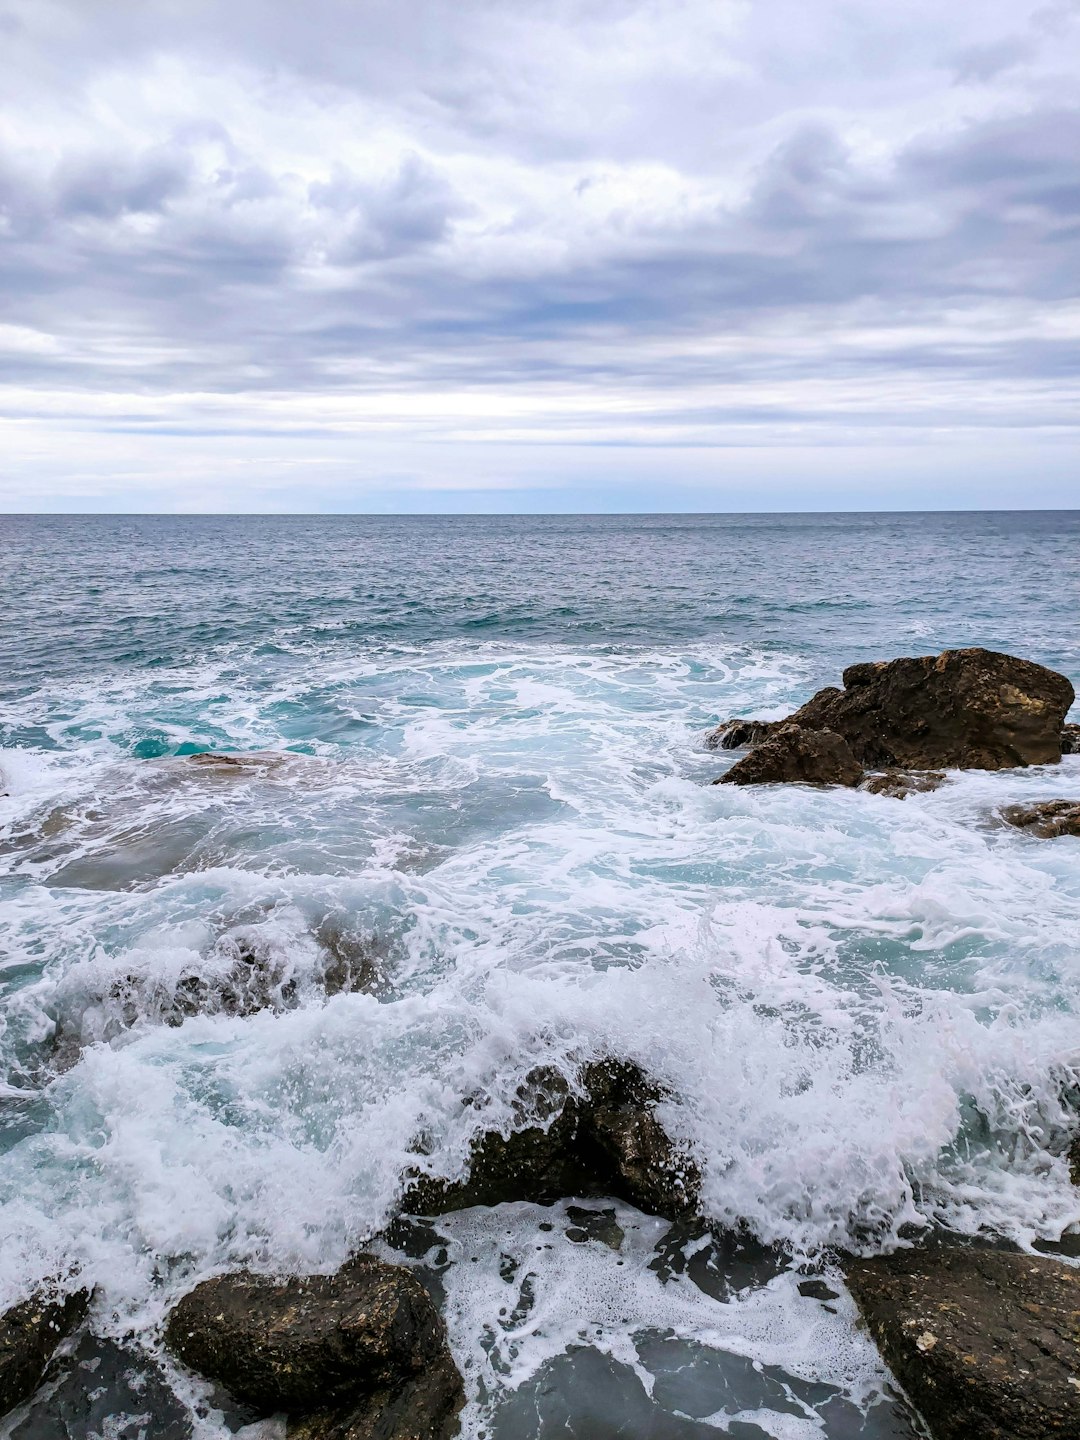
1047, 818
1070, 740
106, 1390
425, 1407
29, 1333
963, 708
902, 783
984, 1342
740, 734
808, 757
606, 1140
356, 1354
228, 764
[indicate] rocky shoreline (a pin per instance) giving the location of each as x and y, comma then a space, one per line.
985, 1342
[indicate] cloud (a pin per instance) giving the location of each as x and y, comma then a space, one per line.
653, 222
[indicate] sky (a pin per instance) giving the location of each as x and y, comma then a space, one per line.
502, 255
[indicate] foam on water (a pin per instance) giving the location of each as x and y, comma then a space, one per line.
864, 1009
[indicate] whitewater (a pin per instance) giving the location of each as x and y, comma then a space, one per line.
482, 765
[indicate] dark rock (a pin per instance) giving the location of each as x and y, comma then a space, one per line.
1046, 818
338, 1346
984, 1342
425, 1407
1070, 740
605, 1140
740, 734
902, 783
963, 708
1074, 1160
105, 1389
792, 754
29, 1333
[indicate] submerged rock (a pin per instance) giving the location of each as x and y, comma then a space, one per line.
106, 1390
1046, 818
740, 734
29, 1333
605, 1140
792, 754
902, 783
356, 1354
1070, 740
228, 763
973, 708
985, 1343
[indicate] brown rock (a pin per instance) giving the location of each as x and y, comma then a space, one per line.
902, 783
792, 754
1070, 740
1046, 818
986, 1344
29, 1333
740, 734
351, 1352
605, 1141
969, 708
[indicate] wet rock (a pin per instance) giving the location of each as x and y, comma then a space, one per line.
1070, 740
792, 754
232, 764
973, 708
105, 1389
351, 959
902, 783
740, 734
29, 1333
984, 1342
1046, 818
356, 1354
605, 1140
425, 1407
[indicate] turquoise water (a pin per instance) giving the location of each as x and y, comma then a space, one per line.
485, 771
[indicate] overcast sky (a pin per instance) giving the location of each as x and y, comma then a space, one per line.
505, 254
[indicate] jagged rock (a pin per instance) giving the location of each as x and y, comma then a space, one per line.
29, 1333
963, 708
1047, 818
1070, 740
792, 754
606, 1140
984, 1342
740, 734
361, 1353
902, 783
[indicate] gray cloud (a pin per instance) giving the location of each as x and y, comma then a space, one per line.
610, 198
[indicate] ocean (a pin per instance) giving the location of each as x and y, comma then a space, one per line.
486, 782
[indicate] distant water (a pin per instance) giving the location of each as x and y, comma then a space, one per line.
496, 792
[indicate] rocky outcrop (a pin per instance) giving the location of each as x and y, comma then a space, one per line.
963, 708
986, 1343
792, 754
358, 1354
1046, 818
29, 1333
740, 734
1070, 740
602, 1140
902, 783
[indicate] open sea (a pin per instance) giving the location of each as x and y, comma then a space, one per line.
488, 788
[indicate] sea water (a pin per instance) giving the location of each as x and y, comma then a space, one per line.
483, 766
